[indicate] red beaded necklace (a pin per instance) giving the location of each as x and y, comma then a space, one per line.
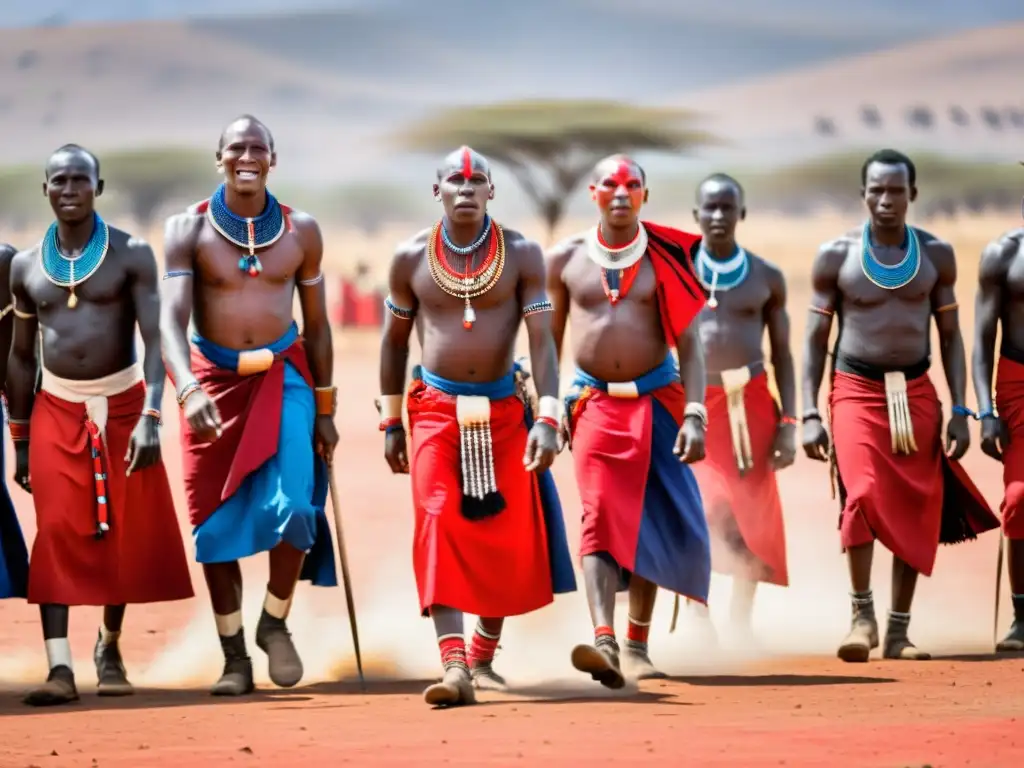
626, 276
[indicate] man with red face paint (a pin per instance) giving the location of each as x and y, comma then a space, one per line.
636, 418
748, 438
897, 482
489, 536
256, 400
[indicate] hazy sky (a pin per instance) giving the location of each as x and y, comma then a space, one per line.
925, 15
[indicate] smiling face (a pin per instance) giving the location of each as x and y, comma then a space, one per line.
246, 156
72, 185
620, 191
464, 186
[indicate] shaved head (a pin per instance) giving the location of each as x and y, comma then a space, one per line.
717, 183
244, 124
73, 155
463, 161
613, 164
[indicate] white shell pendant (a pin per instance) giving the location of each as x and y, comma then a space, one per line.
468, 317
713, 303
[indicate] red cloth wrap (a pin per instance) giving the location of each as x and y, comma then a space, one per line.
681, 297
898, 499
141, 559
250, 412
493, 567
744, 513
1010, 402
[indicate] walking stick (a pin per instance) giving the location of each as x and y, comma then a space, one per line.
675, 615
999, 581
346, 578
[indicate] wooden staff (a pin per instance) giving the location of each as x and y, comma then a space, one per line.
999, 581
345, 577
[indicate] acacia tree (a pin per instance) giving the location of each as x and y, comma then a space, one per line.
143, 181
551, 146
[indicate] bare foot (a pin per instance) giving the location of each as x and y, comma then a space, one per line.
601, 663
112, 680
486, 679
59, 688
274, 639
454, 690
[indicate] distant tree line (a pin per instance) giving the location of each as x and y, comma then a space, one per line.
924, 118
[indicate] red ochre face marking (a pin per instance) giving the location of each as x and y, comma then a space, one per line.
624, 176
467, 163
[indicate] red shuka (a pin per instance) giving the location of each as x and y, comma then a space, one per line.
250, 411
899, 499
681, 296
1010, 402
749, 505
493, 567
141, 559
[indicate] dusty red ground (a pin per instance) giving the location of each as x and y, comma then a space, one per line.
800, 711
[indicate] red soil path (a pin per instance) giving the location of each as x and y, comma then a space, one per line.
796, 710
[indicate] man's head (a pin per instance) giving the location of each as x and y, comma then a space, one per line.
72, 183
619, 187
889, 185
720, 206
246, 154
464, 186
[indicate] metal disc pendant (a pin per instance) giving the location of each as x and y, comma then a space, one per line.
713, 303
72, 301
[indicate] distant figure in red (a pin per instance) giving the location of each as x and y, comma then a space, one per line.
749, 436
636, 416
1000, 302
898, 483
87, 445
255, 394
489, 536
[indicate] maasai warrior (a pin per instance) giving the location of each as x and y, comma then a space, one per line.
87, 444
13, 553
1000, 300
896, 483
749, 437
636, 418
489, 536
257, 404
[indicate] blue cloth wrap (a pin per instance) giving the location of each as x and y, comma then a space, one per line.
563, 577
285, 499
13, 553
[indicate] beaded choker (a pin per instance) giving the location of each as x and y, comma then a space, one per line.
892, 276
607, 257
249, 233
718, 275
69, 272
467, 283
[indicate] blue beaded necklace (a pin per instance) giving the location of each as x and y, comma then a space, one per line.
721, 274
893, 276
249, 233
472, 247
69, 272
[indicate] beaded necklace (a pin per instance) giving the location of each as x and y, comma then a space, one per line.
470, 283
69, 272
892, 276
472, 247
249, 233
721, 275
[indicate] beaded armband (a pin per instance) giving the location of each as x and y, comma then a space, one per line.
824, 311
312, 280
326, 400
177, 273
947, 308
397, 311
536, 307
19, 429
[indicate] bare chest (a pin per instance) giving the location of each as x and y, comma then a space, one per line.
107, 285
1014, 286
223, 264
859, 290
589, 287
745, 302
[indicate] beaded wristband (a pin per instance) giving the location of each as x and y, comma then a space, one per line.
547, 420
698, 410
788, 420
989, 414
187, 391
959, 410
19, 429
153, 413
399, 427
390, 423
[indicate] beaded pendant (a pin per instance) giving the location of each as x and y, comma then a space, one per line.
247, 232
717, 275
470, 283
896, 275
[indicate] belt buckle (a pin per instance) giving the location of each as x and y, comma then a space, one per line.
253, 361
626, 390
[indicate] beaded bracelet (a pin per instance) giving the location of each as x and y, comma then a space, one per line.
187, 391
788, 420
390, 423
547, 420
19, 429
153, 413
326, 401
